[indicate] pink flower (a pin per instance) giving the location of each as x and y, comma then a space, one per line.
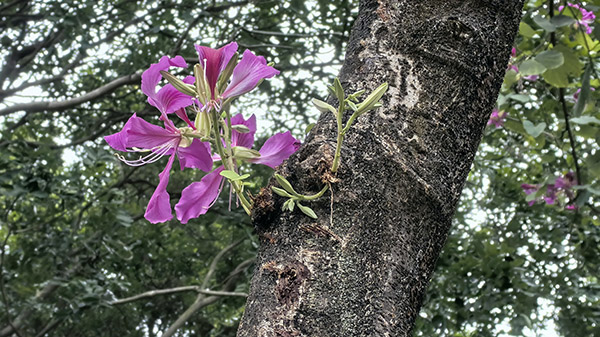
198, 197
246, 74
562, 185
497, 118
529, 189
138, 135
576, 94
587, 17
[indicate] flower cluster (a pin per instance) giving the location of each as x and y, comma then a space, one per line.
497, 118
562, 185
214, 142
512, 66
587, 17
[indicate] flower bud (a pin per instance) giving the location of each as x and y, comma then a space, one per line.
241, 128
244, 153
178, 84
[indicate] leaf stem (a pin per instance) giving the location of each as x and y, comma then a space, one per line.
340, 139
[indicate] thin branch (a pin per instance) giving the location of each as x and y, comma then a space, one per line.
561, 98
59, 105
175, 290
201, 301
213, 265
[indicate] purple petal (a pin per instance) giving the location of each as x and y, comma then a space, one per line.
197, 155
247, 74
528, 188
152, 76
243, 139
184, 117
139, 133
168, 99
159, 207
277, 149
216, 61
197, 198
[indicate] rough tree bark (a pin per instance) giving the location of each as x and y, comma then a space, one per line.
362, 268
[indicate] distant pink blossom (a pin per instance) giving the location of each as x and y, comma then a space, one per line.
587, 17
562, 185
576, 94
497, 118
513, 67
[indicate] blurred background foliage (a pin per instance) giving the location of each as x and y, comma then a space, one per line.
73, 238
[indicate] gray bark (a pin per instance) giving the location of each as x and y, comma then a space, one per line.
361, 268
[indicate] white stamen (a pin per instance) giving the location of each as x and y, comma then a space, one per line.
155, 154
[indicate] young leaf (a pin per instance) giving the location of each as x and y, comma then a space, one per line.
309, 127
323, 106
372, 99
286, 185
307, 210
232, 176
281, 192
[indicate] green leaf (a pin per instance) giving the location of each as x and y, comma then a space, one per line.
307, 210
371, 100
551, 59
232, 176
585, 92
559, 77
286, 185
323, 106
339, 90
526, 30
520, 98
281, 192
534, 130
308, 128
562, 20
531, 67
584, 120
544, 23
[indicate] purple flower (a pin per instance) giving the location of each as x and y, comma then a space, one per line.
529, 189
246, 74
576, 94
550, 196
199, 196
140, 136
587, 17
497, 118
571, 207
214, 62
561, 185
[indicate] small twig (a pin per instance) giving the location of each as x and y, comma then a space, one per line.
153, 293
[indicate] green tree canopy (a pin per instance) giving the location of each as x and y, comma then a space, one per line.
76, 247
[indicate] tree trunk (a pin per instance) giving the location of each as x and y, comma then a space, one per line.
361, 268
